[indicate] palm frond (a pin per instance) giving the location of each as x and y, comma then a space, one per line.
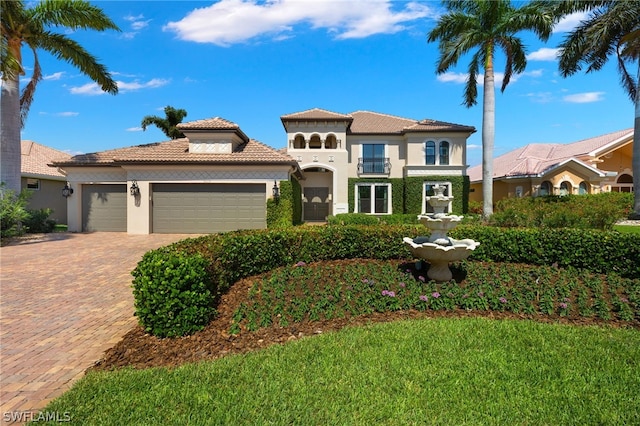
73, 14
70, 51
26, 97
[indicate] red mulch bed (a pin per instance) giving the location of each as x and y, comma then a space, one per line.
141, 350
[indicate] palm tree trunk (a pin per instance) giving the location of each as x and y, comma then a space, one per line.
635, 163
488, 137
10, 155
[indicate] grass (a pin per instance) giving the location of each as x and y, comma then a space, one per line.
630, 229
438, 371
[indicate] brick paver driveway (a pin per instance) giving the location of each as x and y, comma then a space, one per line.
63, 302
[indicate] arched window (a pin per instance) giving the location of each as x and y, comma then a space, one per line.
519, 191
583, 188
298, 142
565, 188
625, 178
331, 142
624, 183
545, 188
444, 153
430, 153
315, 142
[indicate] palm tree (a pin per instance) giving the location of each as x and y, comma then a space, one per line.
167, 124
611, 29
32, 27
486, 26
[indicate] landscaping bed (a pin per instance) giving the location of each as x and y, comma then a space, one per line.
354, 292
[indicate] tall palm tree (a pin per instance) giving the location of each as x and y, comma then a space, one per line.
167, 124
32, 27
486, 26
612, 29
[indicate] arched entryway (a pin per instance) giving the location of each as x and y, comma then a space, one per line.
317, 194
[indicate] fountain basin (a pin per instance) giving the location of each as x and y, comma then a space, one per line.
440, 255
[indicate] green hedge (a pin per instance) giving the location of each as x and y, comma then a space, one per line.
173, 298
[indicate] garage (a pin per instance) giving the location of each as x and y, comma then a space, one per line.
104, 208
204, 208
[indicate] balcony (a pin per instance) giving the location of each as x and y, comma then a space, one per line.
374, 166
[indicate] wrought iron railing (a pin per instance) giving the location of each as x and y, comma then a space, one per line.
374, 166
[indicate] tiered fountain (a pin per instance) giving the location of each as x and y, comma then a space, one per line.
438, 249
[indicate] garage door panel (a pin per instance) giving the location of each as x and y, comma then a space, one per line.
208, 208
104, 208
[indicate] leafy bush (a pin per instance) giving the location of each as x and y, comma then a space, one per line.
174, 292
593, 211
13, 211
369, 219
225, 258
38, 221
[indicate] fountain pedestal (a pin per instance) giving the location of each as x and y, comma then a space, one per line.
439, 250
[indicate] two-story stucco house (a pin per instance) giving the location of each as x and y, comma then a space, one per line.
367, 162
218, 179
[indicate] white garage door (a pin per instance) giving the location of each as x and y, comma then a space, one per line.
208, 208
104, 208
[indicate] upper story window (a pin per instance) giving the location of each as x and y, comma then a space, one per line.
439, 156
430, 152
373, 160
315, 142
331, 142
444, 153
298, 142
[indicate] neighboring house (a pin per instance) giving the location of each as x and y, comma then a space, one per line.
216, 179
45, 182
367, 162
599, 164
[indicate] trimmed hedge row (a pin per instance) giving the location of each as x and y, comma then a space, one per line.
162, 276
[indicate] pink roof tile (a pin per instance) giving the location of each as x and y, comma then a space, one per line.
36, 157
215, 123
534, 159
368, 122
177, 152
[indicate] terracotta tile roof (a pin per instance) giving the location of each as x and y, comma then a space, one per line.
315, 114
177, 152
534, 159
367, 122
36, 157
215, 123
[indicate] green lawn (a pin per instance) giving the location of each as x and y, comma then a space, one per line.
433, 371
631, 229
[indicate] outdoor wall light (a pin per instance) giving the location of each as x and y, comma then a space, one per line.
67, 190
276, 191
134, 190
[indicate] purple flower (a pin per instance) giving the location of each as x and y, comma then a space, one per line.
503, 300
464, 296
301, 263
402, 285
563, 306
365, 281
388, 293
624, 300
424, 298
408, 271
435, 294
421, 278
481, 293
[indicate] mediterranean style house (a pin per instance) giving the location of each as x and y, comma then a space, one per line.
599, 164
218, 179
367, 162
44, 182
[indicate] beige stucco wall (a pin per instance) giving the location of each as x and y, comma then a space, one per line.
49, 196
139, 209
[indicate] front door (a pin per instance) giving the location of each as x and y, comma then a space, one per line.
316, 204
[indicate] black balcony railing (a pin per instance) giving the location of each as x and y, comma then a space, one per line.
374, 166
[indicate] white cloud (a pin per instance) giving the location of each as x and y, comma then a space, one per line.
137, 23
54, 76
452, 77
569, 22
60, 114
93, 89
544, 54
234, 21
134, 129
540, 97
583, 98
473, 146
498, 77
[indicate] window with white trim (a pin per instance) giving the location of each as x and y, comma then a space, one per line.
428, 191
373, 198
436, 153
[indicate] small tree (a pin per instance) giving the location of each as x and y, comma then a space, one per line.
13, 211
167, 124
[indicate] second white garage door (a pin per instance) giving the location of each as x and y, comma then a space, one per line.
206, 208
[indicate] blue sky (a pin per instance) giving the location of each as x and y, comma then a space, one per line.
252, 61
